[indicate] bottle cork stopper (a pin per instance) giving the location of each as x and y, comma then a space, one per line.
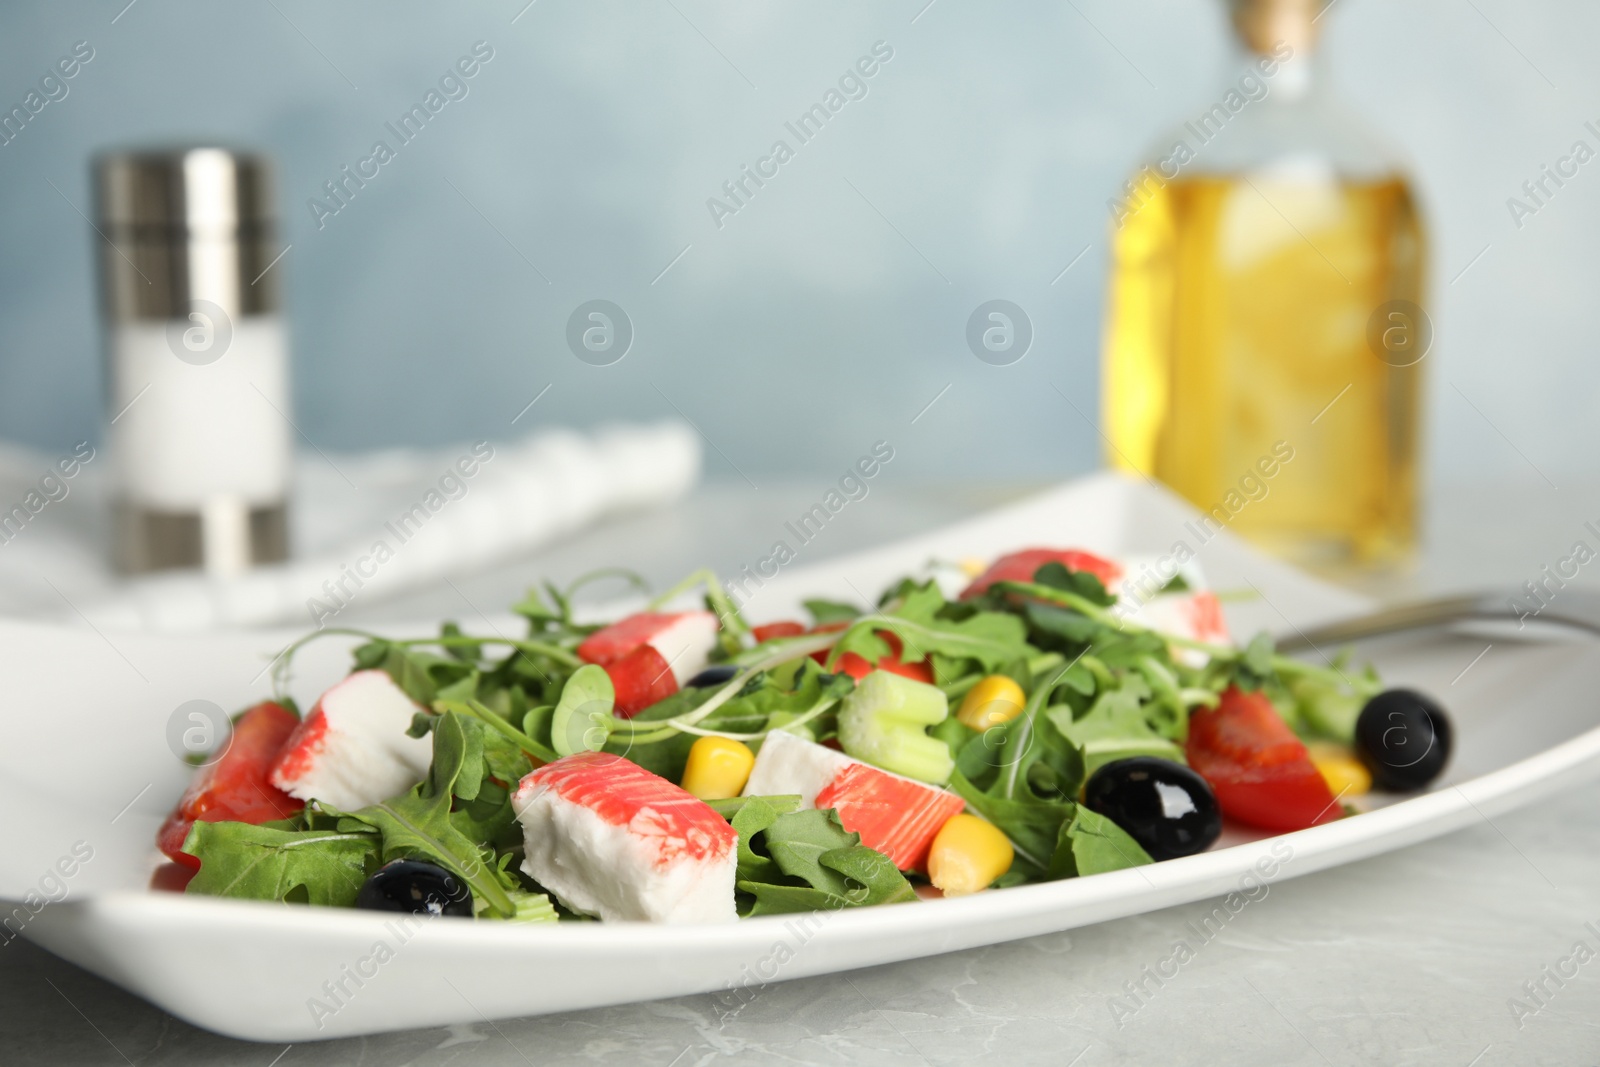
1265, 24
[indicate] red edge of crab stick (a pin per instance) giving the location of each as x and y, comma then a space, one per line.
610, 838
649, 656
352, 749
893, 814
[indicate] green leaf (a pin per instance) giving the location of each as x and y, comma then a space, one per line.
826, 611
1176, 584
466, 688
731, 806
419, 673
486, 815
370, 655
1091, 844
771, 899
465, 652
1257, 658
1003, 759
1057, 575
992, 638
1023, 777
805, 861
1122, 651
797, 841
1064, 623
536, 723
582, 720
752, 818
269, 863
418, 823
1117, 725
874, 876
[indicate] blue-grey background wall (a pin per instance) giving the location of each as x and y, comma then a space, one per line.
829, 311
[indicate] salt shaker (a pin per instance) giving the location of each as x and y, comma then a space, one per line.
200, 431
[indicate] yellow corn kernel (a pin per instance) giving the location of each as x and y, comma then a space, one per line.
718, 768
972, 566
967, 855
1345, 775
994, 700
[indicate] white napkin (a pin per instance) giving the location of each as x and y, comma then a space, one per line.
431, 519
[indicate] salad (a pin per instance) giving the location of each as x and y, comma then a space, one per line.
979, 727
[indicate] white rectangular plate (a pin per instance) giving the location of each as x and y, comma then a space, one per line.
87, 761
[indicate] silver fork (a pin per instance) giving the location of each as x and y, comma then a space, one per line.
1575, 608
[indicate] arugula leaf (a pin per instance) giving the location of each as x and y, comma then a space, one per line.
731, 806
538, 613
1004, 760
1090, 843
993, 638
753, 818
873, 877
465, 688
1058, 575
419, 822
271, 863
798, 841
826, 611
483, 809
1117, 725
807, 861
1176, 584
767, 898
466, 652
1022, 776
418, 673
1123, 650
1254, 668
1068, 625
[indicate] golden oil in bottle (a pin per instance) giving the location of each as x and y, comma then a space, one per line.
1263, 332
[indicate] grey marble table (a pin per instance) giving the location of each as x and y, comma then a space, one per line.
1418, 957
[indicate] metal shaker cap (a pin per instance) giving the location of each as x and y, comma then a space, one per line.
186, 224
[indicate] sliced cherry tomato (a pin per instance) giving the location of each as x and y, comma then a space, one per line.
1260, 771
857, 667
641, 678
236, 788
827, 628
776, 629
1021, 566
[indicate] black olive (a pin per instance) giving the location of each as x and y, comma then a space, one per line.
1404, 739
1165, 806
416, 887
712, 676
